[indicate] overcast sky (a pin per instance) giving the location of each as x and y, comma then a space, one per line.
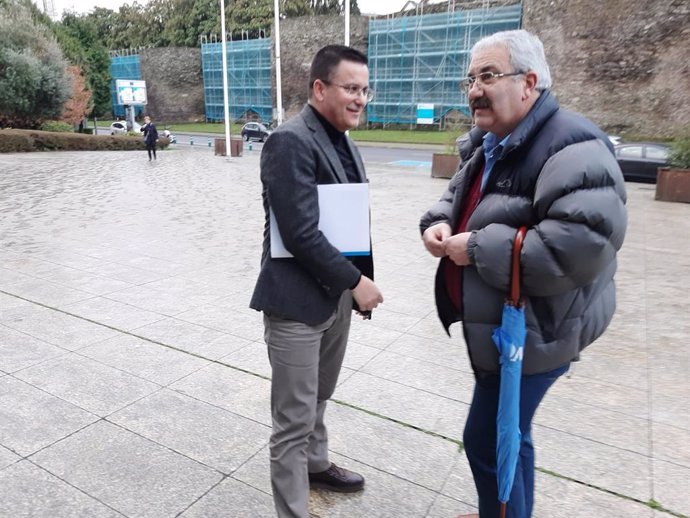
84, 6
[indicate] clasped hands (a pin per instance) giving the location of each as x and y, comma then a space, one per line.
440, 242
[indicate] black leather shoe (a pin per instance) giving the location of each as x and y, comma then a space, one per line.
337, 479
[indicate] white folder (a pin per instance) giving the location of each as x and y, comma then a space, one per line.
343, 219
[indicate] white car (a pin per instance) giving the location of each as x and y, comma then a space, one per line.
120, 128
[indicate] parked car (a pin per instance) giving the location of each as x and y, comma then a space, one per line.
120, 128
640, 160
256, 131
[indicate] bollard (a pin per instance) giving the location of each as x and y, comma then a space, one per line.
209, 142
250, 145
191, 141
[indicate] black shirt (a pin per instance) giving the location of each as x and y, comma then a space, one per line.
338, 139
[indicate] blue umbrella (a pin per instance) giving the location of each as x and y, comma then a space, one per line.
510, 341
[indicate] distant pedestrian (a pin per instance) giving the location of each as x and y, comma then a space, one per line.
150, 136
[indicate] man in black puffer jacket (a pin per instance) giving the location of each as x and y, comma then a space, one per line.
554, 172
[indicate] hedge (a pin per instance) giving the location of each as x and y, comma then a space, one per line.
14, 140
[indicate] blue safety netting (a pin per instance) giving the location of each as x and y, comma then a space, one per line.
124, 67
421, 59
249, 80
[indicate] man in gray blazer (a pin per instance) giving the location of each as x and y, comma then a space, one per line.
308, 299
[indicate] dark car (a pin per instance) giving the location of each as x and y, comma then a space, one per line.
640, 160
255, 131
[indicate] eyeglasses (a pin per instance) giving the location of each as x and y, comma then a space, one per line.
354, 90
485, 78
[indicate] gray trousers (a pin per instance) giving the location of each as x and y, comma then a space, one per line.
306, 362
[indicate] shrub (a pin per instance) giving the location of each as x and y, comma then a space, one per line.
679, 155
12, 140
58, 126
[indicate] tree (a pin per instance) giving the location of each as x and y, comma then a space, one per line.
189, 20
81, 42
34, 84
333, 7
78, 105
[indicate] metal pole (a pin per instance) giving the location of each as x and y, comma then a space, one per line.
279, 88
347, 23
226, 105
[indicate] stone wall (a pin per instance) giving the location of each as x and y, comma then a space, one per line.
300, 39
623, 64
174, 83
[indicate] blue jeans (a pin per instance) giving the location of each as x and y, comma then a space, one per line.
480, 442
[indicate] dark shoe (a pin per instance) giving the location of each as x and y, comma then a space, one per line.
337, 479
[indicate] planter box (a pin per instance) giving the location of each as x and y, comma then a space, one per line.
444, 165
235, 146
673, 184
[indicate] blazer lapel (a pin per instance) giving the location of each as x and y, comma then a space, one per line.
321, 138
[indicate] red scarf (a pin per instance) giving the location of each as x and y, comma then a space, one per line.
453, 272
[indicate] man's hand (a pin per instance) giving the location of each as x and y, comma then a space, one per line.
455, 247
366, 294
434, 237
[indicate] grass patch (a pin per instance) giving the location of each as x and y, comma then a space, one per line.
403, 136
443, 138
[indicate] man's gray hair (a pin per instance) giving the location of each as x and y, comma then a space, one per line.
526, 53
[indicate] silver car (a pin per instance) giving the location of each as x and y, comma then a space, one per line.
120, 128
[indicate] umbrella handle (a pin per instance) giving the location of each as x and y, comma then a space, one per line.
515, 267
503, 510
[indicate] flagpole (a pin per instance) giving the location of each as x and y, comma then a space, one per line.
226, 105
279, 88
347, 23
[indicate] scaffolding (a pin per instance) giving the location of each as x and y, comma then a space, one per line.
123, 65
421, 59
249, 80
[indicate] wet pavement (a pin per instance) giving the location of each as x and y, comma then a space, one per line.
134, 380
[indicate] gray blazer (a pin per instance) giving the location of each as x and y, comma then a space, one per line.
296, 158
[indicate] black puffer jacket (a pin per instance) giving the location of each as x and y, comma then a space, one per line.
557, 175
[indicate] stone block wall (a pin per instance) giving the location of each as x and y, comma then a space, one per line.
300, 39
623, 64
174, 83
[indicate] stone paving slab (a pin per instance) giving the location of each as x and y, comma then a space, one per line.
31, 419
87, 384
19, 350
192, 338
232, 499
178, 421
156, 264
31, 492
131, 474
57, 328
144, 359
230, 389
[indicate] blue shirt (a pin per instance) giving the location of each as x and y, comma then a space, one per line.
492, 150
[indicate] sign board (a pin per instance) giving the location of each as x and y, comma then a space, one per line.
130, 92
425, 113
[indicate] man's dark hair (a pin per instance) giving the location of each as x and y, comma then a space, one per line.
328, 58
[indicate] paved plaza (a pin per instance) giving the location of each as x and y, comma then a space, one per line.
134, 380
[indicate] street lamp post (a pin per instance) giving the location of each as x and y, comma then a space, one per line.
226, 105
279, 88
347, 23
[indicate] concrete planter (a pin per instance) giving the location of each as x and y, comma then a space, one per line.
444, 165
673, 184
